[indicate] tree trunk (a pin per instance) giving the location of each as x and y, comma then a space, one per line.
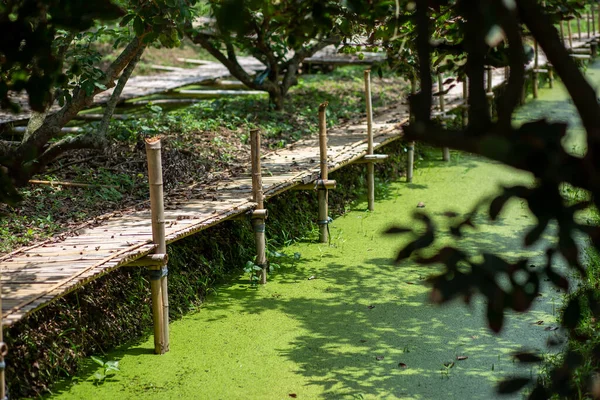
276, 99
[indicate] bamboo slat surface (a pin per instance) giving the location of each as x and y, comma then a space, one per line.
36, 275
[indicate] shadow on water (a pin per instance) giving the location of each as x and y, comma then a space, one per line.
372, 331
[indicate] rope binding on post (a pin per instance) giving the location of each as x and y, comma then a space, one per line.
157, 274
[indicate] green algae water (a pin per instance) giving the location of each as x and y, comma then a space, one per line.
345, 322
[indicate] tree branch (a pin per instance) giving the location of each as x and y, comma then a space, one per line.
516, 55
231, 64
87, 141
480, 118
263, 47
292, 65
116, 94
420, 103
81, 99
583, 95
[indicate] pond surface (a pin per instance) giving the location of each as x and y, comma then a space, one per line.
344, 322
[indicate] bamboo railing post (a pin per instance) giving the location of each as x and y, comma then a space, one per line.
158, 275
550, 75
3, 353
490, 90
579, 28
593, 20
587, 18
445, 150
569, 33
322, 192
599, 17
370, 166
259, 215
534, 70
465, 113
562, 32
411, 145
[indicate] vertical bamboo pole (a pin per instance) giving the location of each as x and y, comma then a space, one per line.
587, 18
3, 353
258, 220
465, 86
562, 32
445, 150
534, 71
411, 145
370, 166
593, 20
579, 28
490, 90
598, 17
158, 277
322, 192
569, 33
550, 76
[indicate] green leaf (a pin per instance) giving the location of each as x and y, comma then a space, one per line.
99, 376
98, 361
112, 365
126, 19
100, 86
151, 37
138, 26
88, 87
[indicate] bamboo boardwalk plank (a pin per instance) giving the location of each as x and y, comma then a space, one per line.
37, 275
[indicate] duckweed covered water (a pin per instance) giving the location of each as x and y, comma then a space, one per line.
345, 322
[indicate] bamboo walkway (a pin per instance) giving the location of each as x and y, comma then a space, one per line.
34, 276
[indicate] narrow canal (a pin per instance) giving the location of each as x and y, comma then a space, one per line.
344, 321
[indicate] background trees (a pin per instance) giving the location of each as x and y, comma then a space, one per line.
280, 34
72, 73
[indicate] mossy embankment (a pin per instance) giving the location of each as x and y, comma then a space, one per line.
53, 342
